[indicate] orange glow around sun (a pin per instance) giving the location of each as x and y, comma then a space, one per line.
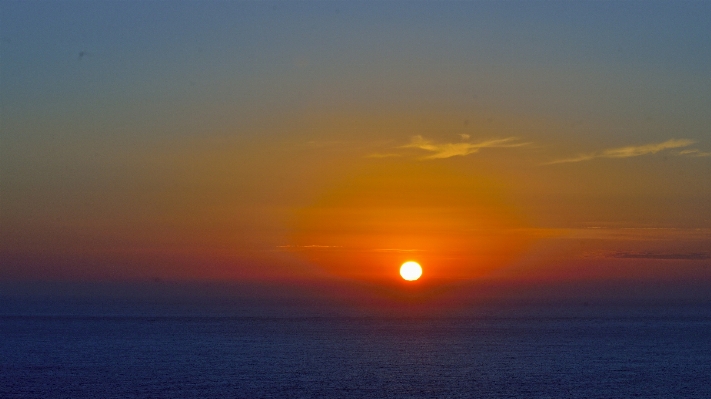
457, 224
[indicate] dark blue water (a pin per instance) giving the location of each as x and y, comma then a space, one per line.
522, 357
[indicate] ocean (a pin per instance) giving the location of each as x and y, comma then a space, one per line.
618, 356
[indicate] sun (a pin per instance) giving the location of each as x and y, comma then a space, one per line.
411, 271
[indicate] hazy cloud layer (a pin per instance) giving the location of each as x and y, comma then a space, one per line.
448, 150
632, 151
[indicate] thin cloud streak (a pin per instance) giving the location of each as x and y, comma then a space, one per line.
660, 256
448, 150
629, 151
385, 155
695, 153
309, 246
396, 250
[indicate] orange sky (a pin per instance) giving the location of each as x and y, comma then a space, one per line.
324, 149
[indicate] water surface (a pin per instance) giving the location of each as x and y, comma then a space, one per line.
355, 357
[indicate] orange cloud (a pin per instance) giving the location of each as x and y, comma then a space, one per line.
628, 151
448, 150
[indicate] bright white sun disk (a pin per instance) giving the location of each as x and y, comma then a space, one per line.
411, 271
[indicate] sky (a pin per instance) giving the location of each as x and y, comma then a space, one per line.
322, 144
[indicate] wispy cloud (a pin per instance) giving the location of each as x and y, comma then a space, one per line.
695, 153
316, 246
448, 150
629, 151
383, 155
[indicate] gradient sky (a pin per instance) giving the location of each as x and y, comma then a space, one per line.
304, 142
